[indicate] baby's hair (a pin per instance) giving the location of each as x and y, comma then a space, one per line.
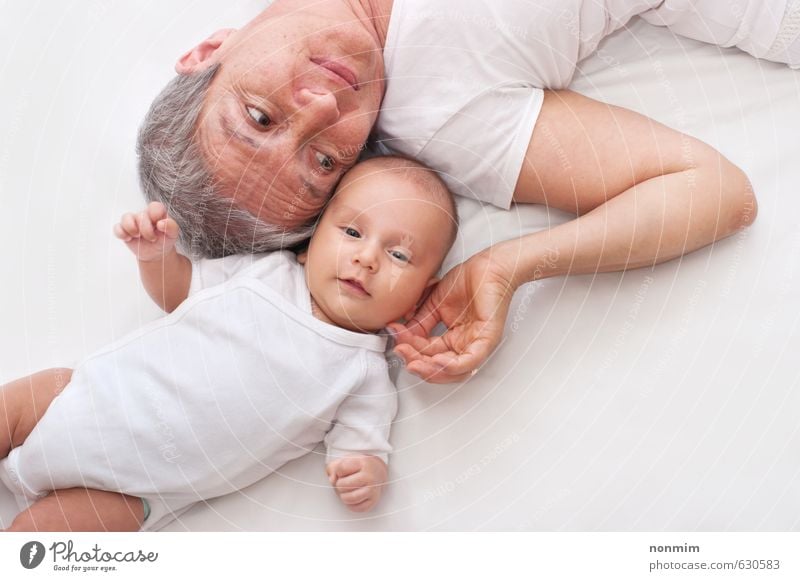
421, 175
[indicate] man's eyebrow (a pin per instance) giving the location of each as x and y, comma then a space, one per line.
227, 127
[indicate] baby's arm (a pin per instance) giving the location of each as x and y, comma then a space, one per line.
151, 236
358, 443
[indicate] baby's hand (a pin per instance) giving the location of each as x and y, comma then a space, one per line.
358, 480
150, 234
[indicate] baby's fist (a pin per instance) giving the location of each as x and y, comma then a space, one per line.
150, 234
358, 480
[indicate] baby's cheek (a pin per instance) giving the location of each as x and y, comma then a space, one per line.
396, 276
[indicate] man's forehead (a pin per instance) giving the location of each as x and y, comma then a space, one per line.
282, 199
278, 166
260, 179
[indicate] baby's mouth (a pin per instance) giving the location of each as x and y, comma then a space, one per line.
355, 286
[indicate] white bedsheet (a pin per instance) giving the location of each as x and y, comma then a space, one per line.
663, 399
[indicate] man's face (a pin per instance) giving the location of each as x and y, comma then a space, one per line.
375, 250
290, 109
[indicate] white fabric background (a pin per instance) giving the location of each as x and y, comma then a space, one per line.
647, 400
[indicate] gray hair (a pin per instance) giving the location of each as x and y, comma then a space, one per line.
173, 171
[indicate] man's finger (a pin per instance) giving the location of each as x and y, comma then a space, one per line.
435, 346
429, 347
424, 320
405, 352
425, 345
433, 373
464, 363
403, 334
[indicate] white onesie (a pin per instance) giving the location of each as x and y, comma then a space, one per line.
237, 381
465, 77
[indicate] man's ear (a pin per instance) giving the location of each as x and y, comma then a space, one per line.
301, 258
201, 56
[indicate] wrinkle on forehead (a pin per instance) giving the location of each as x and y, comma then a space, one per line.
248, 175
281, 200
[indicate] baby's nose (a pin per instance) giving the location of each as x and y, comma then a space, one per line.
366, 257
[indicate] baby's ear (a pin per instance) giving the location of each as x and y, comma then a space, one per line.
301, 258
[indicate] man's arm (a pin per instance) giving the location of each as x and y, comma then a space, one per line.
644, 194
151, 236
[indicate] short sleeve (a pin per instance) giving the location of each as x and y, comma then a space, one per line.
211, 272
480, 151
363, 420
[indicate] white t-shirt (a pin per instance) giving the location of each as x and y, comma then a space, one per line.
465, 80
237, 381
465, 77
768, 29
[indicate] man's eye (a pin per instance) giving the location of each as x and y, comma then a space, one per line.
259, 116
326, 162
352, 232
401, 256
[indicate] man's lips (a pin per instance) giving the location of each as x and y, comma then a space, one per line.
355, 286
339, 70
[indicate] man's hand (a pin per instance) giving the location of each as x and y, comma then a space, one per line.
472, 300
358, 480
150, 234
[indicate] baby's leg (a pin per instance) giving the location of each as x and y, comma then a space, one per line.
24, 401
81, 509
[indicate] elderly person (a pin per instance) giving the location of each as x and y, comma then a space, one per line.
247, 143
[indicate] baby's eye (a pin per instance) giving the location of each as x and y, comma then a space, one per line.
401, 256
326, 162
352, 232
259, 116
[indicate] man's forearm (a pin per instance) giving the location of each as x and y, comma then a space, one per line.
167, 281
655, 221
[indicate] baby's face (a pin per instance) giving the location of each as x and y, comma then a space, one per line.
376, 249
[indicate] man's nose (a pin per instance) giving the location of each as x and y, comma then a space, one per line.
317, 109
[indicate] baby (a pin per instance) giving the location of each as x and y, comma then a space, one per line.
261, 358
